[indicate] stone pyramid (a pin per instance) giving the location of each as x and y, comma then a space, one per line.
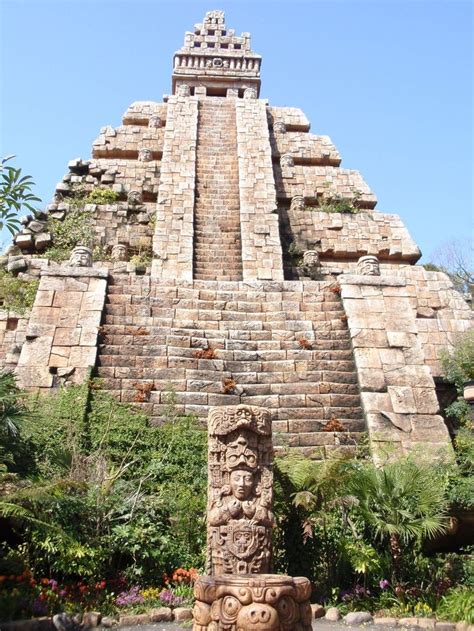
235, 261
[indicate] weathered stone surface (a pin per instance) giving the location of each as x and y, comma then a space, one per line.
385, 621
229, 188
332, 614
134, 620
358, 617
182, 613
108, 622
91, 618
162, 614
318, 611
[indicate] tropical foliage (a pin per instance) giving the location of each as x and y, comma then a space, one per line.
15, 194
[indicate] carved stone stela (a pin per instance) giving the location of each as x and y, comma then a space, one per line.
239, 491
239, 594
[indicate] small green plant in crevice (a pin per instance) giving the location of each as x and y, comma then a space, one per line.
101, 196
75, 229
337, 203
142, 258
16, 294
296, 254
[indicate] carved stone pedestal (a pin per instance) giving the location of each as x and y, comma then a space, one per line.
252, 602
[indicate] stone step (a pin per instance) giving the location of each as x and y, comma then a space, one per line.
217, 242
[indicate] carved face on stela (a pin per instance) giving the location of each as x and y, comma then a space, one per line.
241, 484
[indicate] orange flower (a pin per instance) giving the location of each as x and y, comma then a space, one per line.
44, 581
3, 578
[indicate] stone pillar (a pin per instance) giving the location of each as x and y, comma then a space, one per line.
62, 332
397, 389
239, 594
240, 490
261, 247
174, 232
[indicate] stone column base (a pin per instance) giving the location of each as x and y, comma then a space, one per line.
252, 602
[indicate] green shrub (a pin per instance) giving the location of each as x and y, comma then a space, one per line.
16, 294
118, 496
457, 605
458, 363
75, 229
101, 196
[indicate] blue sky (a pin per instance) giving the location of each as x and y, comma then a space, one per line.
389, 81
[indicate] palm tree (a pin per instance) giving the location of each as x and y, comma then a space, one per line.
12, 411
401, 503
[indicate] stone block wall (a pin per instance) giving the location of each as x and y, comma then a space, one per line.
397, 388
62, 333
12, 336
174, 232
261, 247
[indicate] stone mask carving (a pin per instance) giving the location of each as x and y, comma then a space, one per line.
145, 155
297, 202
120, 252
368, 266
155, 121
134, 198
279, 127
81, 256
287, 160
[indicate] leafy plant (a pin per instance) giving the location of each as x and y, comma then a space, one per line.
458, 363
16, 294
15, 193
337, 203
401, 504
75, 229
102, 196
457, 605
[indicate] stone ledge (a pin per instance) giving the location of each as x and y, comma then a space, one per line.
77, 272
381, 281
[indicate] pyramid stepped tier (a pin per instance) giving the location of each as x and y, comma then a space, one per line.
217, 244
305, 148
269, 345
126, 142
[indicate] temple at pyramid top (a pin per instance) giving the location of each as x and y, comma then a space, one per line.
214, 60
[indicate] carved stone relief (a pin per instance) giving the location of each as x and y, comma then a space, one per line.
155, 121
297, 202
81, 256
134, 198
287, 160
120, 252
279, 127
368, 266
256, 603
250, 93
183, 90
240, 515
145, 155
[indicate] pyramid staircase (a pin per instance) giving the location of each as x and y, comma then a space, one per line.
214, 343
217, 242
